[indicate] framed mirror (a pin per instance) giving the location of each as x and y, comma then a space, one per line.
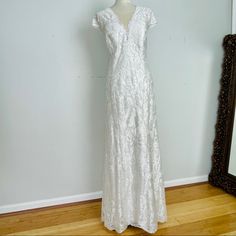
223, 170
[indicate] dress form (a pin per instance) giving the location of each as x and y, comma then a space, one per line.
124, 9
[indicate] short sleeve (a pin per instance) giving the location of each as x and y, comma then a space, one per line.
95, 22
152, 21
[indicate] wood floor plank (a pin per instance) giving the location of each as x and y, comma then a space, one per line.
183, 208
196, 191
192, 210
63, 229
211, 226
229, 233
48, 217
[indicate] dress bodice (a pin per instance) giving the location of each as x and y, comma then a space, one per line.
125, 45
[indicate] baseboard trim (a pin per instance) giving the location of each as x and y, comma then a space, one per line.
186, 181
14, 208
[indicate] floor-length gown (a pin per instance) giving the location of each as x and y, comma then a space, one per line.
133, 188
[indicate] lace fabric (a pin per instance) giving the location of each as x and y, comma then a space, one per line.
133, 188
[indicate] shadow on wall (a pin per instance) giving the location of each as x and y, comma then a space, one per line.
93, 49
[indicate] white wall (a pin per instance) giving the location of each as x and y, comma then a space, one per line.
52, 88
233, 17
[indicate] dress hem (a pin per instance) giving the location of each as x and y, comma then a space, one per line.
141, 226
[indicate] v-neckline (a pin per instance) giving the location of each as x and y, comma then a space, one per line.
119, 21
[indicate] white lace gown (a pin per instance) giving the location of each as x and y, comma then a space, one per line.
133, 188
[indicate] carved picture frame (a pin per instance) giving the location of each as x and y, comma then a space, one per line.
219, 175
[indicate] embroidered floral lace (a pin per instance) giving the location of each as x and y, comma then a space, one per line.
133, 188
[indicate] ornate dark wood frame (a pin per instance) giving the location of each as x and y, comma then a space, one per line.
219, 175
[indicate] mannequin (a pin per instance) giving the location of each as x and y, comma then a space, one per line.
124, 9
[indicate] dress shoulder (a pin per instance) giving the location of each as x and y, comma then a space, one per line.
151, 18
95, 21
100, 18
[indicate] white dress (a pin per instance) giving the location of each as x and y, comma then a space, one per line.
133, 189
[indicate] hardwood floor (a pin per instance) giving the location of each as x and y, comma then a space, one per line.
197, 209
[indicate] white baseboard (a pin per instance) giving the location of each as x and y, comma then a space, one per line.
86, 196
189, 180
49, 202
